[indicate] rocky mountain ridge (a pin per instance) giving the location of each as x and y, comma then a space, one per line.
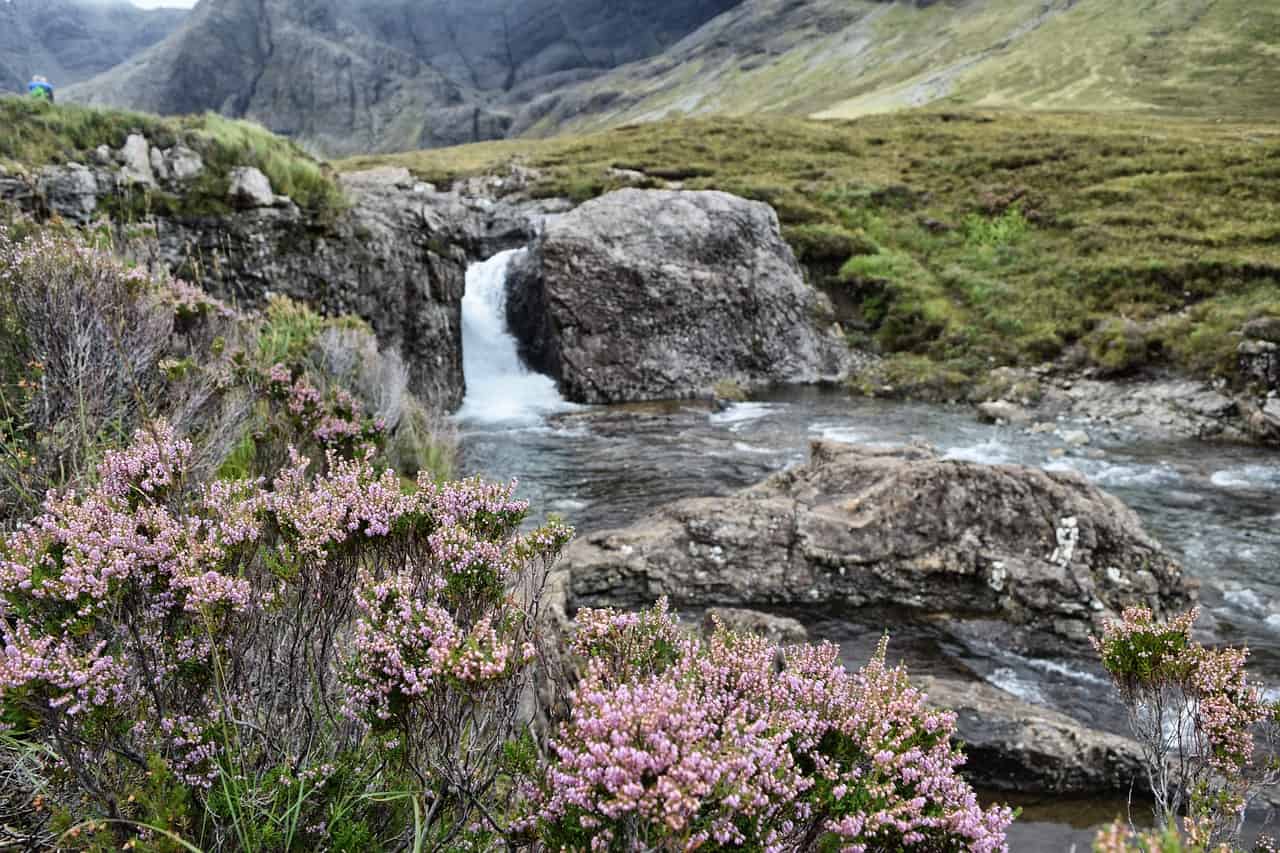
354, 75
71, 40
350, 76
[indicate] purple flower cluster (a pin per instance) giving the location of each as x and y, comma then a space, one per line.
335, 422
676, 743
120, 603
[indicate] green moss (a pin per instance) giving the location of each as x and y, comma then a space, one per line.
730, 390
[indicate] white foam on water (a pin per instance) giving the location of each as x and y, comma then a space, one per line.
1246, 600
1119, 475
838, 432
990, 452
1010, 681
500, 389
740, 413
1247, 477
743, 447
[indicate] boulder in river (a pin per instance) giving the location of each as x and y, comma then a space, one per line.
654, 294
1011, 745
861, 527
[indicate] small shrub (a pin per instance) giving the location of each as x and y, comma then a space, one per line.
1198, 720
674, 743
1005, 229
1118, 347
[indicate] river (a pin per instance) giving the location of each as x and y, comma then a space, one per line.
1216, 507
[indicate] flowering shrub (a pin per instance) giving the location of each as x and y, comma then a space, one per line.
336, 422
311, 645
677, 744
1197, 719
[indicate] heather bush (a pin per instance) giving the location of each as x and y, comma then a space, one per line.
325, 660
91, 347
1207, 733
674, 743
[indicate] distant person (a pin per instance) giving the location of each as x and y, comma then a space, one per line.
40, 89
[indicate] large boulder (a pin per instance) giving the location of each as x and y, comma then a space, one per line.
648, 295
1011, 745
861, 527
70, 191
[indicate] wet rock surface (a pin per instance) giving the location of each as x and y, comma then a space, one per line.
1015, 746
1162, 407
1045, 552
651, 294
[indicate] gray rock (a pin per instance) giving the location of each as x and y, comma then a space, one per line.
866, 527
1264, 421
1076, 438
1262, 329
158, 165
781, 630
70, 191
183, 163
1206, 403
104, 156
1259, 361
136, 156
1002, 411
653, 294
1012, 745
250, 188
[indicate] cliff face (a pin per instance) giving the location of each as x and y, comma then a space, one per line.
71, 40
354, 75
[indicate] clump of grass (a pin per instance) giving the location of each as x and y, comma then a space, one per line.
1119, 346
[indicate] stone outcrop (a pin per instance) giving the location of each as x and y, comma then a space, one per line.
857, 527
250, 188
1259, 352
387, 257
653, 294
1013, 745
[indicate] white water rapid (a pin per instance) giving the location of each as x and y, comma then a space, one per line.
500, 389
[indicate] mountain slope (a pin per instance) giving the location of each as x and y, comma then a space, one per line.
349, 75
71, 40
840, 59
385, 75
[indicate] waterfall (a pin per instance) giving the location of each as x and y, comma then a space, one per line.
500, 389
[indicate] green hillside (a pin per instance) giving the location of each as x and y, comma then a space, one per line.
956, 241
846, 58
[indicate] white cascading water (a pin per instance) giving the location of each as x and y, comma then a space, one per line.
500, 389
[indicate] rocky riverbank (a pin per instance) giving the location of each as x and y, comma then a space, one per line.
1038, 557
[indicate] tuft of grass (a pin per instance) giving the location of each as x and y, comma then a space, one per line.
973, 239
34, 134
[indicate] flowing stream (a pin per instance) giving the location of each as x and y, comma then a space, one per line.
1216, 507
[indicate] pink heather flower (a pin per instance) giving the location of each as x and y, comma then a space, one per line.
668, 733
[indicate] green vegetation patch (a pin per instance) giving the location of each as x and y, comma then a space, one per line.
975, 239
35, 133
